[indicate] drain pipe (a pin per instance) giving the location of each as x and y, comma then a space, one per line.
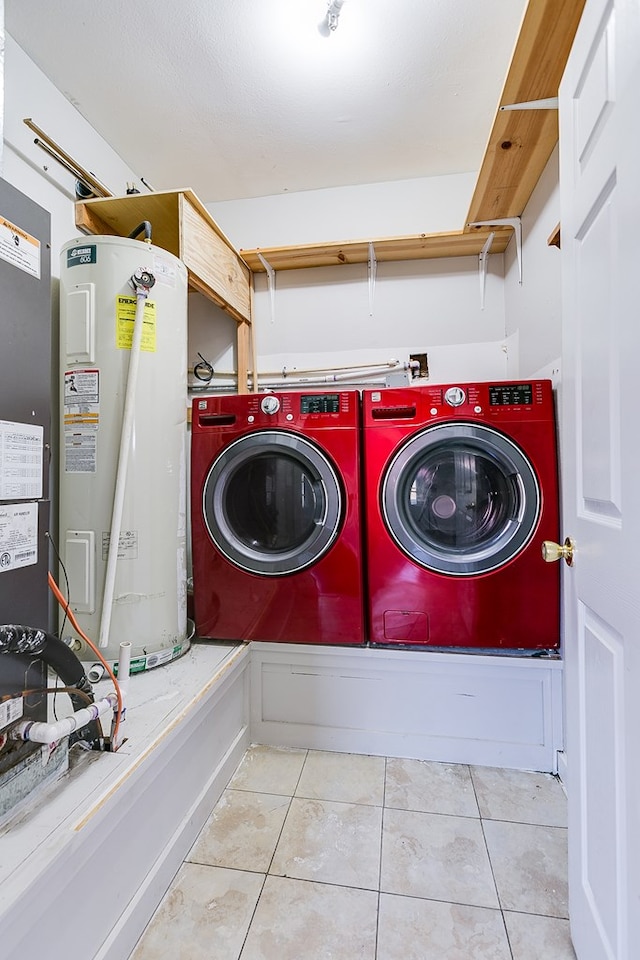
53, 732
124, 672
142, 282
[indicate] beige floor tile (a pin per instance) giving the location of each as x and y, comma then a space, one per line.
346, 777
430, 787
530, 866
298, 920
242, 831
205, 913
269, 770
411, 929
330, 842
533, 938
520, 796
436, 857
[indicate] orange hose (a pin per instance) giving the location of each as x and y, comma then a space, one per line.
55, 589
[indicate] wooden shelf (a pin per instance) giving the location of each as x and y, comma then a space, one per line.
423, 246
521, 141
519, 146
554, 239
182, 225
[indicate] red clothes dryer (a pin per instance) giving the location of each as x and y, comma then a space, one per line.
276, 533
460, 491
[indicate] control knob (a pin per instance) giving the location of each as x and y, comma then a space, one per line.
455, 396
270, 404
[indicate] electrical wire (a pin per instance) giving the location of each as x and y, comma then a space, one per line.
64, 621
55, 589
26, 693
66, 581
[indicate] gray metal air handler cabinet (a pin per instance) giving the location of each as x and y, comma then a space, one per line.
25, 420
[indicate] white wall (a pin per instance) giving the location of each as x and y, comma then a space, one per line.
533, 311
369, 211
28, 93
332, 317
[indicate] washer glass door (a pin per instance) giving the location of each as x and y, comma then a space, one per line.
272, 503
460, 499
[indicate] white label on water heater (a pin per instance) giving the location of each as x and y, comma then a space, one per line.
21, 457
81, 419
164, 272
80, 448
18, 536
127, 545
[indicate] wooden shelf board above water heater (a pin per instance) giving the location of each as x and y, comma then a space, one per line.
182, 225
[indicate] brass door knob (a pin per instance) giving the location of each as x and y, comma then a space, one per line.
554, 551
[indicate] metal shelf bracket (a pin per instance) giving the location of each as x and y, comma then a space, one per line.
550, 103
516, 224
271, 285
372, 270
483, 263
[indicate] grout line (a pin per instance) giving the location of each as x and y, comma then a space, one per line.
255, 910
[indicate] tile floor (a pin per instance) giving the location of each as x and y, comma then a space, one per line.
327, 856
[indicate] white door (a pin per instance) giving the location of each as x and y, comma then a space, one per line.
600, 447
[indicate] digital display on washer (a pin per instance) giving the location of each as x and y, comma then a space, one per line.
320, 403
510, 395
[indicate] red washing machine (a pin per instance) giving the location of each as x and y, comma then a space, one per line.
276, 534
460, 491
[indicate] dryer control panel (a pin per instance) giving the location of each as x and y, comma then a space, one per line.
508, 401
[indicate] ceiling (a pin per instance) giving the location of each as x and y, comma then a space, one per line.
246, 98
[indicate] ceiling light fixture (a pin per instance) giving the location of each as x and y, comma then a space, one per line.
330, 22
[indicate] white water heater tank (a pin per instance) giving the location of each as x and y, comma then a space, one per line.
97, 314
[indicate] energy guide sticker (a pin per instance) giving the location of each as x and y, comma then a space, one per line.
125, 320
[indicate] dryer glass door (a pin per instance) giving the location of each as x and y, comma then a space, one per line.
272, 503
460, 499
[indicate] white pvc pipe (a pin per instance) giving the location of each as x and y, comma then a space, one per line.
52, 732
121, 475
124, 670
335, 377
300, 370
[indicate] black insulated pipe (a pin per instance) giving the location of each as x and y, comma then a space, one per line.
144, 225
32, 642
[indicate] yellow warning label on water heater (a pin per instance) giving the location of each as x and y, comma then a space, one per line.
125, 320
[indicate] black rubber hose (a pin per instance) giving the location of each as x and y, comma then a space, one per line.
146, 226
33, 642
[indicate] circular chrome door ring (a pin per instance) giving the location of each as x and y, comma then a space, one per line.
272, 503
460, 499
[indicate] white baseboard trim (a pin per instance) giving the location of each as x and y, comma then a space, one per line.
561, 769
